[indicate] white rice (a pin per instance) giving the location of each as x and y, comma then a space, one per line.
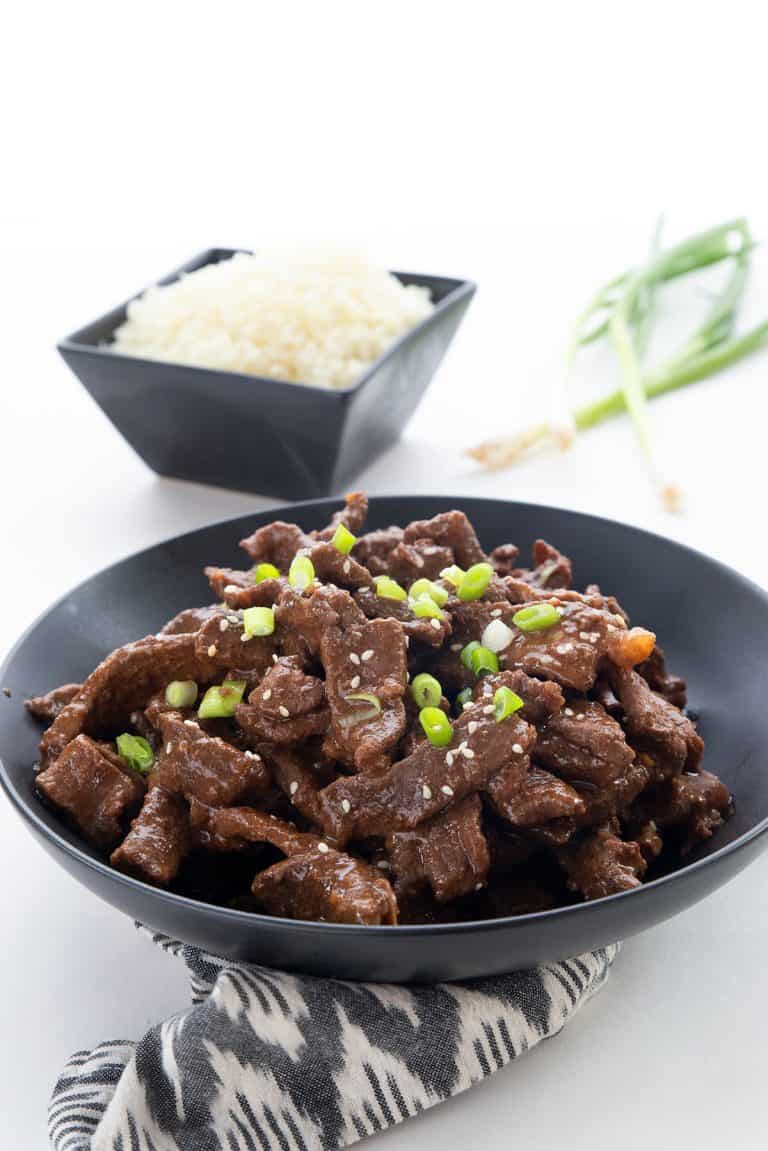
316, 318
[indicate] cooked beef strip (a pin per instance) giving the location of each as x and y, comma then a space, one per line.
693, 803
238, 591
602, 864
419, 559
232, 828
328, 886
584, 743
122, 683
159, 839
430, 779
276, 543
94, 788
310, 616
353, 516
416, 629
196, 764
551, 569
503, 559
448, 853
48, 706
603, 694
374, 549
222, 640
331, 566
541, 698
287, 706
527, 796
657, 727
369, 658
451, 530
647, 838
299, 778
654, 671
189, 620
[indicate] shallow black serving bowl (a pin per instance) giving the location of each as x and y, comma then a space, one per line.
257, 434
712, 622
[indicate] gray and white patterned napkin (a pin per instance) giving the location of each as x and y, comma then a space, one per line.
266, 1061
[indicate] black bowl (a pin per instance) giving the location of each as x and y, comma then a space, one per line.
257, 434
713, 623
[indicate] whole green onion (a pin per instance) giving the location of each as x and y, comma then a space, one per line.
475, 581
136, 752
343, 540
265, 571
258, 621
220, 701
426, 608
466, 653
436, 725
388, 588
426, 690
181, 693
505, 702
484, 661
429, 588
301, 573
536, 617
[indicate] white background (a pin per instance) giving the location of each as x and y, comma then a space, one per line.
529, 147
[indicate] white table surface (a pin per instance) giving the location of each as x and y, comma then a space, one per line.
538, 181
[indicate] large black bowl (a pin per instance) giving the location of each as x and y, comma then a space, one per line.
712, 622
257, 434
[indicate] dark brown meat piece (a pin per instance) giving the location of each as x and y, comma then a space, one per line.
654, 672
298, 777
416, 629
584, 743
48, 706
309, 617
353, 516
369, 658
419, 559
287, 707
223, 641
503, 559
196, 764
233, 828
238, 590
331, 566
374, 549
450, 530
189, 620
430, 779
541, 698
159, 840
448, 853
694, 803
276, 543
328, 886
551, 569
657, 727
529, 796
94, 788
123, 682
602, 864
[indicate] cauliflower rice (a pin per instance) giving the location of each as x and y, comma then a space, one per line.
315, 319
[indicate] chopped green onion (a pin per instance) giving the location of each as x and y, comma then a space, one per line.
265, 571
453, 574
466, 653
463, 697
536, 617
426, 608
136, 752
427, 587
437, 726
475, 581
361, 715
301, 573
426, 690
389, 588
219, 702
258, 621
343, 540
484, 660
181, 693
505, 702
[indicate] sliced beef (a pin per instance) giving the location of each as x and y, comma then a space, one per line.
194, 763
299, 778
656, 727
693, 804
94, 789
374, 549
238, 590
276, 543
528, 796
504, 558
584, 743
223, 641
654, 672
602, 864
233, 828
48, 706
419, 559
189, 620
353, 516
308, 617
159, 840
287, 707
449, 853
551, 568
328, 886
430, 633
541, 698
331, 566
450, 530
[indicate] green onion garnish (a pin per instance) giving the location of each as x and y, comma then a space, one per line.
258, 621
426, 690
453, 574
301, 573
484, 661
475, 581
389, 588
265, 571
136, 752
361, 715
181, 693
343, 540
463, 697
427, 587
466, 653
536, 617
505, 702
219, 702
437, 726
426, 608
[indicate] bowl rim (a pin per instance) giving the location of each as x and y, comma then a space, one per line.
30, 814
461, 289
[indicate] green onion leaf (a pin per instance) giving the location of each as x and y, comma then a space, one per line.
301, 573
436, 725
466, 653
265, 571
536, 617
181, 693
426, 690
453, 575
475, 581
463, 697
426, 608
136, 752
343, 540
361, 715
219, 702
484, 661
505, 702
428, 587
388, 588
258, 621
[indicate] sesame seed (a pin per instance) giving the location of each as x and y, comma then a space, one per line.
168, 748
517, 748
468, 753
223, 624
355, 681
322, 847
581, 716
478, 887
190, 723
233, 620
383, 865
446, 790
346, 806
564, 648
449, 758
426, 791
418, 560
274, 657
354, 658
545, 658
212, 650
469, 704
367, 655
252, 755
456, 647
283, 711
568, 711
267, 694
244, 638
472, 726
496, 613
346, 567
488, 709
407, 639
293, 788
435, 623
231, 589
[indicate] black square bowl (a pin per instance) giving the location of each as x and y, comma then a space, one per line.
257, 434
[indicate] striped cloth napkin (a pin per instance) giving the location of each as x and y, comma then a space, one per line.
264, 1060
